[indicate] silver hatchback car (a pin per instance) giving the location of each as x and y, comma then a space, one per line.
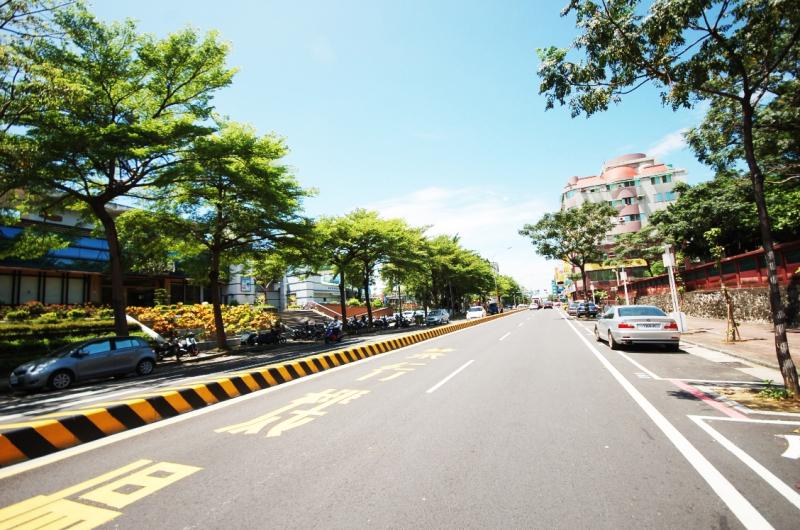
637, 324
92, 359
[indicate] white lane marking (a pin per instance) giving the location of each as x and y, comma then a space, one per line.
640, 375
793, 451
777, 484
448, 378
639, 366
520, 324
506, 335
736, 502
41, 461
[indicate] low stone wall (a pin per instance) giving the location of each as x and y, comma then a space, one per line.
750, 305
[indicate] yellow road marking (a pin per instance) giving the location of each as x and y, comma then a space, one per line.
57, 512
143, 483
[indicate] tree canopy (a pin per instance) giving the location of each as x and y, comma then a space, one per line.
574, 235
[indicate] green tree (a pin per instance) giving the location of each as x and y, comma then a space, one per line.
22, 87
335, 245
385, 241
125, 107
647, 245
234, 200
574, 235
736, 54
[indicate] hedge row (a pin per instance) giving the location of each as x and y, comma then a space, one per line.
40, 330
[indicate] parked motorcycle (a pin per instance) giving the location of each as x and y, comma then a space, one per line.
333, 333
187, 345
261, 338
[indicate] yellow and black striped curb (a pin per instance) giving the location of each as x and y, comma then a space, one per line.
54, 432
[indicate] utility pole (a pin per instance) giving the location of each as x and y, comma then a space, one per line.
669, 262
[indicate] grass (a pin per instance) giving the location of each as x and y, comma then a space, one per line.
769, 398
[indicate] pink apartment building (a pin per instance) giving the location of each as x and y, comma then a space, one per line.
636, 185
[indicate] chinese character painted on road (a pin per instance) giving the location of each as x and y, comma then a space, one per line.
395, 370
291, 416
430, 353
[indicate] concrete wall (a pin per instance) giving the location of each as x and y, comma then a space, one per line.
751, 305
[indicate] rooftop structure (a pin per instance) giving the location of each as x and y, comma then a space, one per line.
635, 184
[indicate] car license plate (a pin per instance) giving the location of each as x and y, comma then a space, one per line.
649, 326
13, 379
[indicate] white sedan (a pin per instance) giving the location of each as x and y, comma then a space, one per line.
637, 324
475, 311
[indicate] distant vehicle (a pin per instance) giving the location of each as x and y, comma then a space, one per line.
408, 315
534, 305
572, 309
494, 308
586, 309
93, 359
475, 311
548, 305
437, 316
637, 324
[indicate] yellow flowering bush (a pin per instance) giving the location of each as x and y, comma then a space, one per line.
167, 319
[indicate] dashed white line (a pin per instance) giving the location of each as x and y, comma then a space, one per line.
520, 324
448, 378
506, 335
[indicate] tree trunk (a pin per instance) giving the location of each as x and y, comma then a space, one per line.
216, 304
787, 366
115, 258
342, 296
366, 294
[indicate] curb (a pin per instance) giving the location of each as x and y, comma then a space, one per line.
61, 430
732, 354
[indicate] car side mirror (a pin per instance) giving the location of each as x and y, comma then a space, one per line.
80, 353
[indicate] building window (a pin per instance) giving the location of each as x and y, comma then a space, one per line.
629, 200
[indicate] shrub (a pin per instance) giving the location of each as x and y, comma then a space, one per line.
34, 308
105, 313
17, 315
75, 314
353, 302
377, 303
48, 318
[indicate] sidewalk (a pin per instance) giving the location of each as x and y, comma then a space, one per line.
757, 344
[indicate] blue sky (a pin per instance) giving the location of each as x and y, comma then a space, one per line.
423, 109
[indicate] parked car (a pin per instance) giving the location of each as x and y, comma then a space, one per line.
572, 309
93, 359
548, 305
586, 309
637, 324
408, 315
494, 308
437, 316
475, 311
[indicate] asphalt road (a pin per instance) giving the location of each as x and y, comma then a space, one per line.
522, 422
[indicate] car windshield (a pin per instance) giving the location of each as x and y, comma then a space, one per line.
63, 351
475, 309
435, 312
641, 311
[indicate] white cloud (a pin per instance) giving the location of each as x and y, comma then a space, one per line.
670, 143
486, 221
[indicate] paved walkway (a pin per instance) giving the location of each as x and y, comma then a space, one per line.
757, 345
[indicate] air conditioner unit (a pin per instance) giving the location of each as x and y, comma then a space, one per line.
621, 220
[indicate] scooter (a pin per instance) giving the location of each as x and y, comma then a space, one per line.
333, 334
187, 345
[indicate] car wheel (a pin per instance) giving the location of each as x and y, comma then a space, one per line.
614, 345
597, 335
145, 367
673, 347
61, 380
